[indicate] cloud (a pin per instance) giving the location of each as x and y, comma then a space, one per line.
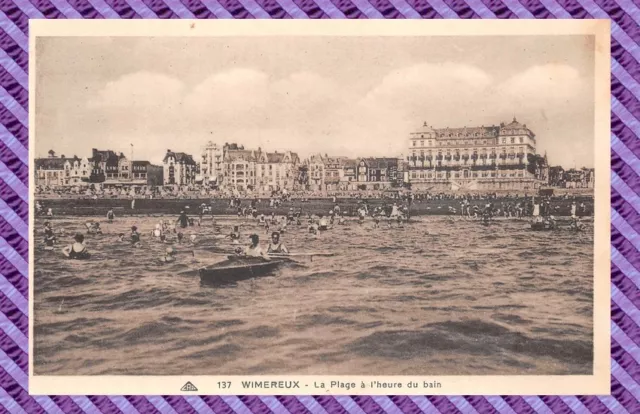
229, 95
139, 90
308, 112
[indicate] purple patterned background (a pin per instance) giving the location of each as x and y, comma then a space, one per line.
625, 209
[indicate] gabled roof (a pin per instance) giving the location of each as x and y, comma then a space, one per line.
515, 125
143, 163
240, 155
180, 157
468, 132
275, 157
53, 163
349, 163
379, 163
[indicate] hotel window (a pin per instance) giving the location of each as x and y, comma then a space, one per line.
414, 143
422, 143
513, 140
521, 140
429, 142
504, 140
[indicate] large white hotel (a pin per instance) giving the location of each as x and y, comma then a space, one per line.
496, 157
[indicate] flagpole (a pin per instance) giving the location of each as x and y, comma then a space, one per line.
131, 164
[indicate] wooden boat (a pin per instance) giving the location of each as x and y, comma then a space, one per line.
543, 226
235, 269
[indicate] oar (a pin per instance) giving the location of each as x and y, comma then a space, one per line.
303, 254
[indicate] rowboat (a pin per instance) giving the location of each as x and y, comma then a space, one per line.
236, 269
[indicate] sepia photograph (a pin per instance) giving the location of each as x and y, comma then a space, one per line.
317, 205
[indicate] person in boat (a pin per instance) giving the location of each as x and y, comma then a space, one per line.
135, 237
110, 215
183, 220
77, 250
276, 246
49, 236
169, 256
254, 249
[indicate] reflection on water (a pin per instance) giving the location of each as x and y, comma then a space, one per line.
440, 297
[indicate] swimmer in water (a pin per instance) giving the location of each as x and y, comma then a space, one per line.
192, 238
121, 237
49, 236
169, 256
135, 237
180, 237
157, 232
235, 235
77, 250
183, 220
276, 246
93, 228
110, 215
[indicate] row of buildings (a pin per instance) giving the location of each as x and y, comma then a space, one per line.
496, 157
103, 166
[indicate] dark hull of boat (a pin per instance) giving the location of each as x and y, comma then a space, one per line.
232, 271
542, 227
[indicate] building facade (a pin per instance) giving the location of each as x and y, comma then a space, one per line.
211, 164
276, 171
315, 172
377, 173
62, 171
475, 158
179, 168
348, 179
239, 166
582, 178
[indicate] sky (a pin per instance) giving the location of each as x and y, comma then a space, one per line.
350, 96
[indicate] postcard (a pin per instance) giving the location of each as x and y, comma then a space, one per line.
327, 207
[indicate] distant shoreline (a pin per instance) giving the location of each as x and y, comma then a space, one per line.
122, 207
